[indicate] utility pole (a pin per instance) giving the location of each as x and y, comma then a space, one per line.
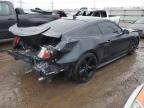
20, 3
12, 1
94, 4
143, 4
52, 4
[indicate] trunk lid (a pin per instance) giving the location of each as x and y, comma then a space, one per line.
33, 31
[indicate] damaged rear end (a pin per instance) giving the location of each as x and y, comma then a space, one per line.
48, 48
40, 52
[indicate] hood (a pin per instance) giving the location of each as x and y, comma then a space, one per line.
136, 26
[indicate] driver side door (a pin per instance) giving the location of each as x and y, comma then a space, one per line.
116, 43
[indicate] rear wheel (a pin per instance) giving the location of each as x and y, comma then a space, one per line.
133, 46
85, 68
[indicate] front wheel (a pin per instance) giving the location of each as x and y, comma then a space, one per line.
85, 68
133, 46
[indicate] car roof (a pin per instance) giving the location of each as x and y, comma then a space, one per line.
65, 25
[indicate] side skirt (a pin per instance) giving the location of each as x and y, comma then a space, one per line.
106, 63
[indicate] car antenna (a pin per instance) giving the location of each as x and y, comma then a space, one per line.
74, 17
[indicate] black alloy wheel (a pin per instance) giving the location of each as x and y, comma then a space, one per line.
133, 46
85, 68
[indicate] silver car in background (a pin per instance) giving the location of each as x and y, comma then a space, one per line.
138, 26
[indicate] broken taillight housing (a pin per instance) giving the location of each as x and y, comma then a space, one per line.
44, 54
16, 40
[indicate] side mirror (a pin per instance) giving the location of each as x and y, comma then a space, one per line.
125, 31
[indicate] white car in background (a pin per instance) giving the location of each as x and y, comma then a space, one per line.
136, 100
98, 13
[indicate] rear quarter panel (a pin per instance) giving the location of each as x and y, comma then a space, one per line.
81, 47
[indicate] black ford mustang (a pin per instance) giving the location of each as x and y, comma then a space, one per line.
76, 47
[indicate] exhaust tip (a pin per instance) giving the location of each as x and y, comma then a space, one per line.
29, 71
41, 79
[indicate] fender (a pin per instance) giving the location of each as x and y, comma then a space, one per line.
80, 48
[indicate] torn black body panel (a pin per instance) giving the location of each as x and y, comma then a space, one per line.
43, 68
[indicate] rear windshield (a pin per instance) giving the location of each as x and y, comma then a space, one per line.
63, 25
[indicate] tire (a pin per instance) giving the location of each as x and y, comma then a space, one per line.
133, 46
85, 68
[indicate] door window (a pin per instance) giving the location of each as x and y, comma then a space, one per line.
4, 9
109, 28
103, 14
96, 14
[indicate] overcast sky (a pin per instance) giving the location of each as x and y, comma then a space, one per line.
63, 4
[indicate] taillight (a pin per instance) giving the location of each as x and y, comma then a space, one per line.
44, 54
16, 40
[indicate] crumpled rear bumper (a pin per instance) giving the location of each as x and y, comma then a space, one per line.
41, 68
46, 69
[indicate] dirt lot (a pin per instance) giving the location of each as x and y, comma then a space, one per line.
110, 87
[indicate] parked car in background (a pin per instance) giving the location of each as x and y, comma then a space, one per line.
76, 47
138, 26
61, 13
136, 100
98, 13
10, 16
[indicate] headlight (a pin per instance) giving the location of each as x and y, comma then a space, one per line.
136, 104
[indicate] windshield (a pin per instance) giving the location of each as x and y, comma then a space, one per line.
140, 21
